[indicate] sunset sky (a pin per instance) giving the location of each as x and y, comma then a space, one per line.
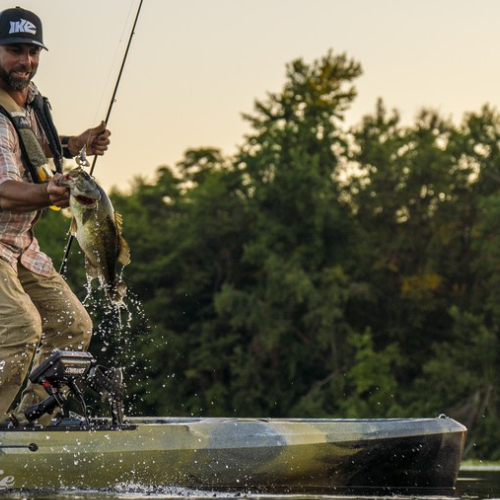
196, 65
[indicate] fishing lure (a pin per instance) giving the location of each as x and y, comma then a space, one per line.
81, 159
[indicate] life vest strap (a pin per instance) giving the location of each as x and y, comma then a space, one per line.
32, 152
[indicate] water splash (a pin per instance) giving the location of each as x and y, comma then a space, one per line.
117, 332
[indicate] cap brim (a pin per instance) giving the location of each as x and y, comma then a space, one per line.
13, 41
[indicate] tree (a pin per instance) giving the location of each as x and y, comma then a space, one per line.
292, 295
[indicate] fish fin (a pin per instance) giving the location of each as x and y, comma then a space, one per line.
118, 222
86, 216
123, 248
90, 270
73, 228
117, 292
123, 252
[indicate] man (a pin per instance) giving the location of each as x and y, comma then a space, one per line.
38, 311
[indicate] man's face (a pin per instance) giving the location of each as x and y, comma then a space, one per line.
18, 65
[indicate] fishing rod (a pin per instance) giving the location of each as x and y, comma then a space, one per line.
64, 262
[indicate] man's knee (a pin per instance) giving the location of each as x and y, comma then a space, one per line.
80, 328
86, 331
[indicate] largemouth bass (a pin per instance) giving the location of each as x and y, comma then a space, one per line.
98, 228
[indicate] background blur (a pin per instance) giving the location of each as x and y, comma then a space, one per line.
195, 66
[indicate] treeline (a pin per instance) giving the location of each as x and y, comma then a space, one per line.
322, 271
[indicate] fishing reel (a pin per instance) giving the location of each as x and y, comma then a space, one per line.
62, 373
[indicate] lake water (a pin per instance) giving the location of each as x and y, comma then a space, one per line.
479, 483
474, 483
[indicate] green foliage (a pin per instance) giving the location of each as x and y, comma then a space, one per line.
53, 231
373, 379
320, 271
463, 374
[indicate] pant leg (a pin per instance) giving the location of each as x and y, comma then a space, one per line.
20, 333
66, 325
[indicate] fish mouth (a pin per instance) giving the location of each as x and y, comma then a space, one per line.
85, 200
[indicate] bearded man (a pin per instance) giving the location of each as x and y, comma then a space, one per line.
39, 313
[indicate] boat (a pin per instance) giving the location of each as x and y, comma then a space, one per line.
408, 455
218, 454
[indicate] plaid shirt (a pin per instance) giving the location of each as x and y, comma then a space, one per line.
17, 241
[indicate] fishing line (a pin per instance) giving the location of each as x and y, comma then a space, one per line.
117, 84
112, 65
62, 269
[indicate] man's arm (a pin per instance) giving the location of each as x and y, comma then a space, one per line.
15, 194
18, 196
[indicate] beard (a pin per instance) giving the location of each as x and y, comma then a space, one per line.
14, 83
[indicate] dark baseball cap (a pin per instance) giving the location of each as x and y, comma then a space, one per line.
20, 26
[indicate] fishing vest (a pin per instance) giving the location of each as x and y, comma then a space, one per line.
32, 152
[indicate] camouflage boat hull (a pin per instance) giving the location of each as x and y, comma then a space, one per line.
258, 455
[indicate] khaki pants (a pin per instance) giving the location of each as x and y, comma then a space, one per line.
37, 315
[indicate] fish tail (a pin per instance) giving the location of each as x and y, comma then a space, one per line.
117, 292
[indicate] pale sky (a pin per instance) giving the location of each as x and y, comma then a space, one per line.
195, 65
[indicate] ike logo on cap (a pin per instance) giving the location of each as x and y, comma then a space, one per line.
19, 25
22, 26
